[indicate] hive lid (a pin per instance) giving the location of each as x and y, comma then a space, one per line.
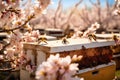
54, 32
49, 38
74, 44
107, 36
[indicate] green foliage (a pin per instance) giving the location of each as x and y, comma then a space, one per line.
117, 73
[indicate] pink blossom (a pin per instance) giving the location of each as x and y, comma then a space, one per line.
1, 57
116, 12
92, 29
35, 34
10, 53
57, 68
65, 61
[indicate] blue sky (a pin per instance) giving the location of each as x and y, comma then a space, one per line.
70, 3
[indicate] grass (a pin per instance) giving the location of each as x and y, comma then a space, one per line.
117, 73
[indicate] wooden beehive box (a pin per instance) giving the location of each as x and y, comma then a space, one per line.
94, 53
40, 52
115, 48
41, 30
100, 72
116, 55
54, 32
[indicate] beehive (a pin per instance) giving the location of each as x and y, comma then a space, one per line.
54, 32
40, 52
115, 48
100, 72
100, 48
116, 55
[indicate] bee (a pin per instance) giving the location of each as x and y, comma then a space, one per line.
42, 39
92, 36
64, 40
116, 39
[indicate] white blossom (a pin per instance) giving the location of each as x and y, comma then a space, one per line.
57, 68
92, 29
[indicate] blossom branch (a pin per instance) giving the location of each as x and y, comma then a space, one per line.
70, 15
4, 47
58, 9
84, 15
116, 2
11, 10
19, 27
92, 3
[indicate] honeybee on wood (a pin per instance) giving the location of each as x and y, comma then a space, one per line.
116, 39
64, 40
92, 36
42, 39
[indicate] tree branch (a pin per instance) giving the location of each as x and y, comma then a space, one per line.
84, 17
71, 13
57, 10
92, 2
115, 5
19, 27
3, 49
108, 12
